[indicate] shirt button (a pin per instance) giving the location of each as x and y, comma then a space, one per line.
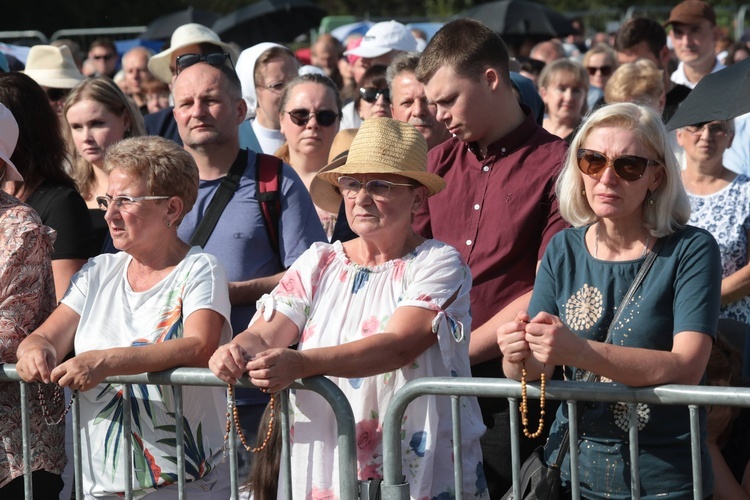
476, 207
502, 150
468, 242
485, 168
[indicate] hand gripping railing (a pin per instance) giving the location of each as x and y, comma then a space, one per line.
395, 488
203, 377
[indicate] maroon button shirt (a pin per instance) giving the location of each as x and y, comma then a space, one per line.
498, 212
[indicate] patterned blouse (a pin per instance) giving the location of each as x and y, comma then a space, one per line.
27, 297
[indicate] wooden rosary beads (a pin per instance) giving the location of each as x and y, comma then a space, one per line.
233, 413
525, 406
56, 399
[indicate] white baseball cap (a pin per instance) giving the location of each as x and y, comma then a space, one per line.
383, 38
8, 139
187, 34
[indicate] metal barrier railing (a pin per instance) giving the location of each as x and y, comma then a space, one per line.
203, 377
394, 488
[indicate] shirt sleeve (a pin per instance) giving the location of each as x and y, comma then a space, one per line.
207, 288
543, 295
300, 225
75, 295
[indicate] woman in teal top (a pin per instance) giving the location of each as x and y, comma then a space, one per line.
620, 189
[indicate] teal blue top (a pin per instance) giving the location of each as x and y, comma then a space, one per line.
680, 293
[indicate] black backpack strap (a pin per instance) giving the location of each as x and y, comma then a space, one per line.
268, 194
223, 194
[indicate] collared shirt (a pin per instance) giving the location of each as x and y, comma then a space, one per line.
499, 212
680, 77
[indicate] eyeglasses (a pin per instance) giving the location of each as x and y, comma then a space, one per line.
214, 59
105, 57
277, 88
627, 167
120, 202
324, 117
604, 70
716, 129
370, 94
55, 95
377, 190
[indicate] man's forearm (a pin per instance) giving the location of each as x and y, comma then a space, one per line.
248, 292
483, 345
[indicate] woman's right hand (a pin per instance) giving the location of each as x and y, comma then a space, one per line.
511, 338
229, 362
36, 364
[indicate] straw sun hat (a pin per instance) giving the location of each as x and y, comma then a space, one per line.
381, 146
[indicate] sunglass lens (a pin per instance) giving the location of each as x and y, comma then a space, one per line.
55, 95
591, 162
326, 118
630, 168
299, 117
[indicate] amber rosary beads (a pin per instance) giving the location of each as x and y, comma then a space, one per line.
525, 405
233, 413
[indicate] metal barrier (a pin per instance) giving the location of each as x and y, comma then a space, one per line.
393, 487
203, 377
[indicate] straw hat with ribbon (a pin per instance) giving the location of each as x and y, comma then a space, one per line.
381, 146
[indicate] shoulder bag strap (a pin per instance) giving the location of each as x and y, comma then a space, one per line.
223, 194
268, 194
590, 377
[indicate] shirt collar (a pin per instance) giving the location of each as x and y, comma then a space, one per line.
511, 141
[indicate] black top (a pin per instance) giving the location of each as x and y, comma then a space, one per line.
62, 208
162, 124
100, 228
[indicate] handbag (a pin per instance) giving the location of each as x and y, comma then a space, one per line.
540, 480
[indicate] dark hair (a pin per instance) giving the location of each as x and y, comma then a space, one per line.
310, 78
467, 46
40, 153
640, 29
103, 42
264, 471
732, 51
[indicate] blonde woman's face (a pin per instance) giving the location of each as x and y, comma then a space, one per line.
94, 128
310, 138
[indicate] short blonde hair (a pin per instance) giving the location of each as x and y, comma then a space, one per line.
601, 48
671, 209
634, 81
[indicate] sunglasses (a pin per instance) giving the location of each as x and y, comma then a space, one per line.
604, 70
120, 202
376, 189
105, 57
214, 59
324, 117
371, 95
55, 95
627, 167
716, 129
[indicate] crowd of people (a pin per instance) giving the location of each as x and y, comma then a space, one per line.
391, 209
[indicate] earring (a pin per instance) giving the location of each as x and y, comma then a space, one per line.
169, 224
651, 200
583, 192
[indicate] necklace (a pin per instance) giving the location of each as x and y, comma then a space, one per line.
234, 414
525, 405
596, 243
57, 398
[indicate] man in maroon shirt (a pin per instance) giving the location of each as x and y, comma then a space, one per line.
499, 210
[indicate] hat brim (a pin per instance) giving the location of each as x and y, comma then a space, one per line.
158, 65
368, 52
325, 193
53, 79
11, 172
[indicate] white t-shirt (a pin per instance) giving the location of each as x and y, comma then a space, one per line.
113, 315
270, 140
350, 117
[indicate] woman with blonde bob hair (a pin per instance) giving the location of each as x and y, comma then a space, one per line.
620, 189
640, 82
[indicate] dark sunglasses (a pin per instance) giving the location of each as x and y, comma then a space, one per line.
627, 167
604, 70
214, 59
55, 95
105, 57
371, 95
324, 117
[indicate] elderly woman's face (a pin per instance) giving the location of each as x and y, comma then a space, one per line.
309, 136
706, 142
609, 195
376, 210
135, 226
94, 128
564, 97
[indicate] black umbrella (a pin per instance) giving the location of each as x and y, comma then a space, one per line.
719, 96
521, 18
277, 21
162, 27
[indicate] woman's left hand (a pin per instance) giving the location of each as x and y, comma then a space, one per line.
275, 369
81, 373
551, 342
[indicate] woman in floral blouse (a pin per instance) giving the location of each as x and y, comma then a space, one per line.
27, 297
372, 314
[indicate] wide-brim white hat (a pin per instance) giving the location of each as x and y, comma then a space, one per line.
187, 34
53, 67
8, 139
381, 146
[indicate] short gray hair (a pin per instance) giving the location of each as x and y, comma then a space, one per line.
405, 62
671, 209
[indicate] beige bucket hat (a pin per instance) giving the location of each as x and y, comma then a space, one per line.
53, 67
187, 34
381, 146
